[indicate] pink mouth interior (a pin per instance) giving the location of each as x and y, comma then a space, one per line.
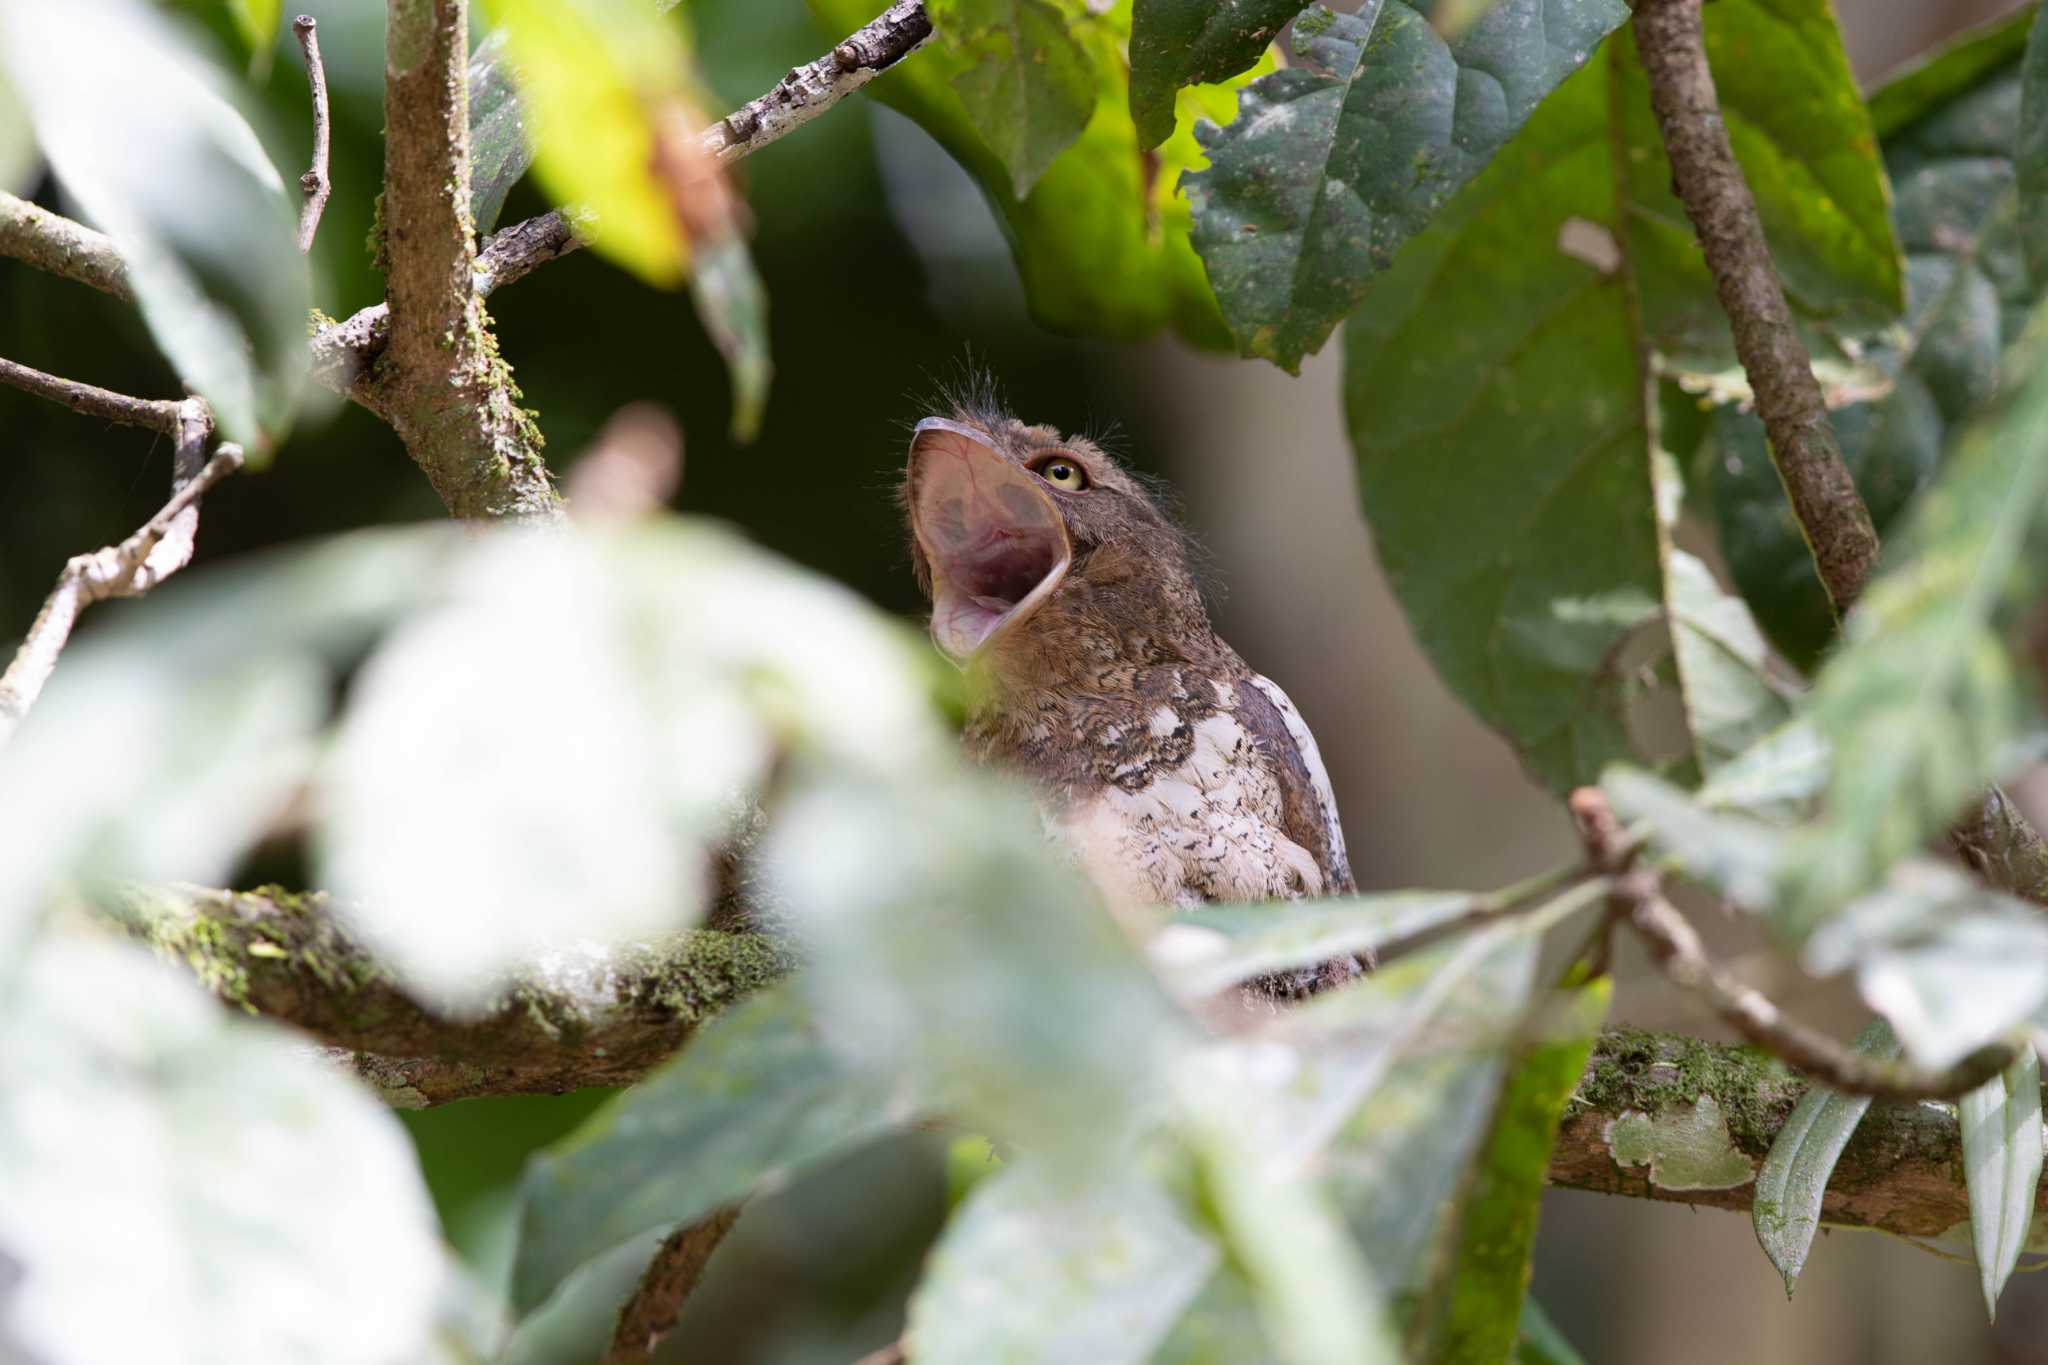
993, 538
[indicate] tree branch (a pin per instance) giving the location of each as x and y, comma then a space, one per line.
443, 387
51, 242
1899, 1173
1717, 199
669, 1280
314, 183
161, 547
285, 956
157, 414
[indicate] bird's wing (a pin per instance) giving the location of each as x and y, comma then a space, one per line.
1308, 806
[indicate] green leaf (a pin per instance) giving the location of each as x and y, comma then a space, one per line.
2030, 154
1214, 947
1027, 81
601, 85
1950, 154
250, 1201
256, 22
1923, 85
1920, 702
1519, 330
1176, 43
1038, 1267
1101, 241
754, 1097
1481, 1290
1541, 1342
1794, 1177
1331, 165
1735, 854
1731, 700
174, 174
2001, 1122
499, 149
733, 306
575, 1324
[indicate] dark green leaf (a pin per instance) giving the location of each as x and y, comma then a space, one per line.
1026, 80
1794, 1177
169, 169
754, 1097
2001, 1122
1037, 1267
499, 149
1194, 42
2030, 154
1101, 242
1950, 154
1922, 700
1331, 165
1515, 332
1477, 1309
1921, 86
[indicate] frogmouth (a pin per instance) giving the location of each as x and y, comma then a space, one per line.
1177, 773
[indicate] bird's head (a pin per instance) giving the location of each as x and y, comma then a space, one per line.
1039, 554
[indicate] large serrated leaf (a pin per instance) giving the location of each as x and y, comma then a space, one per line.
757, 1095
1518, 332
1949, 148
2001, 1122
1793, 1180
1036, 1267
1332, 164
174, 174
1176, 43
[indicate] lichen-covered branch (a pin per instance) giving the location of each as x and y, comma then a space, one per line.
51, 242
442, 385
1830, 511
286, 956
1664, 1116
809, 90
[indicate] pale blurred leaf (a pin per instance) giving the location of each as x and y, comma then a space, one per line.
1731, 700
733, 307
1541, 1343
1734, 854
597, 79
2001, 1122
1776, 779
499, 149
574, 1325
1793, 1180
1176, 43
169, 169
1207, 949
21, 164
1027, 81
754, 1098
1035, 1266
256, 22
1221, 1327
248, 1202
1951, 963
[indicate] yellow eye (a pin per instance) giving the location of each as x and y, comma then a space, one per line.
1061, 472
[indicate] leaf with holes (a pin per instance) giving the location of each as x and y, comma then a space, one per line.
1332, 164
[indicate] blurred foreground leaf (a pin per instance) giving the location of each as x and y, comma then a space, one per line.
2001, 1122
248, 1202
173, 173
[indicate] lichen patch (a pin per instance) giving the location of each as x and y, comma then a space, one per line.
1685, 1148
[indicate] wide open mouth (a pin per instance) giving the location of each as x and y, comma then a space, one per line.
990, 533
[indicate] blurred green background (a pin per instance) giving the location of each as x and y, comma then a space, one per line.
886, 274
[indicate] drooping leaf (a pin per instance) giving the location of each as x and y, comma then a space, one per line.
1101, 241
1793, 1180
1035, 1266
1026, 80
1476, 1308
2001, 1122
250, 1202
1921, 702
1176, 43
1225, 944
499, 149
1332, 164
1949, 144
733, 306
174, 174
756, 1096
1506, 333
598, 82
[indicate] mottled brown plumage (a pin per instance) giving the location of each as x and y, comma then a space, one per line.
1177, 772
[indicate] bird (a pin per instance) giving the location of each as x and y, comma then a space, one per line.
1058, 581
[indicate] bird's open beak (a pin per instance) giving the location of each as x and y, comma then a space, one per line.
990, 532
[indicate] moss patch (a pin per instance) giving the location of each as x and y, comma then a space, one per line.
1654, 1073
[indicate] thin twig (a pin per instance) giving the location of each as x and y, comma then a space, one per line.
1717, 199
1675, 946
809, 90
314, 182
670, 1278
158, 414
52, 242
158, 549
